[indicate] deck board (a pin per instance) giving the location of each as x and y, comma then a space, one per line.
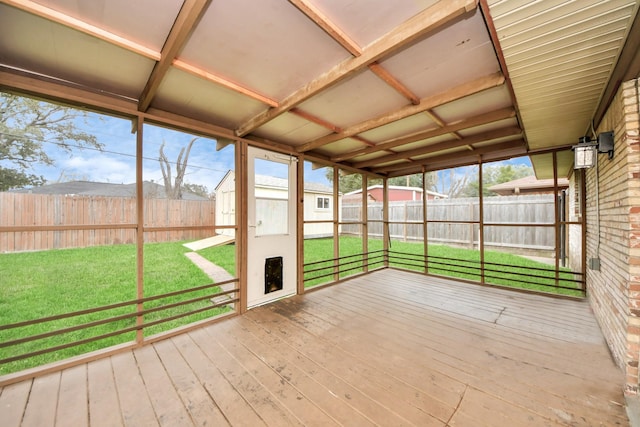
73, 409
104, 406
135, 404
388, 348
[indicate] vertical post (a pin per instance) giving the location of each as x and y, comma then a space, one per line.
242, 195
139, 228
385, 221
365, 223
480, 220
406, 218
336, 225
300, 225
556, 217
425, 237
583, 226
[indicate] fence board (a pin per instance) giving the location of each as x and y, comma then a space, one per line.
18, 209
533, 209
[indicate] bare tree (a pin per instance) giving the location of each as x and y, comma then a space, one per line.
174, 189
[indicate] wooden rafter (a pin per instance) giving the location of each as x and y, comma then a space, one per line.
389, 79
325, 124
434, 148
364, 141
418, 26
84, 27
178, 36
199, 72
190, 14
478, 120
437, 120
352, 47
492, 152
328, 26
458, 92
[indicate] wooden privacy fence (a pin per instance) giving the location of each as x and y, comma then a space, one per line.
30, 222
406, 218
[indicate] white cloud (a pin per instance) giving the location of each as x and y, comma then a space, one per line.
100, 168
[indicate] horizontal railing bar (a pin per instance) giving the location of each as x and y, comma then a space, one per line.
112, 306
335, 272
430, 257
342, 257
111, 319
114, 333
342, 264
555, 286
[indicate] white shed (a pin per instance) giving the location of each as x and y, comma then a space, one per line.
318, 203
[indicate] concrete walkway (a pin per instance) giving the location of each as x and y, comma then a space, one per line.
215, 272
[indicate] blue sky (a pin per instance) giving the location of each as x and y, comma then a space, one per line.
116, 162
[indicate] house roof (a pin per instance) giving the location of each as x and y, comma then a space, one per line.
528, 184
397, 187
88, 188
388, 87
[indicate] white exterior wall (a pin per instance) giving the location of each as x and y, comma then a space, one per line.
226, 204
312, 213
268, 198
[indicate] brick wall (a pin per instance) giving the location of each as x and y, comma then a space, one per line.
613, 236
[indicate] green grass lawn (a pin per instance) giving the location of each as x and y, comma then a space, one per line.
47, 283
500, 268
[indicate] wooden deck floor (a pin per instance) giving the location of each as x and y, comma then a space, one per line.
391, 348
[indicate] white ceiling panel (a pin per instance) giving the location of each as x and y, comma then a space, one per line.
366, 21
440, 62
291, 129
355, 100
412, 124
185, 94
134, 25
486, 101
260, 45
61, 52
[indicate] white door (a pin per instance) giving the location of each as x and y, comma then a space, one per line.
271, 243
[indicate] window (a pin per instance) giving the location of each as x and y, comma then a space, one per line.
322, 203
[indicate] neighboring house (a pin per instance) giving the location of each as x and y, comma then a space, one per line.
396, 194
105, 189
528, 185
270, 192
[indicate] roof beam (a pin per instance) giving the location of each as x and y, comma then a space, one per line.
389, 79
351, 46
190, 13
328, 26
84, 27
458, 92
446, 145
481, 119
493, 152
428, 20
188, 17
317, 120
198, 72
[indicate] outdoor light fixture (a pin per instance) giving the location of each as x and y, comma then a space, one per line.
585, 153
